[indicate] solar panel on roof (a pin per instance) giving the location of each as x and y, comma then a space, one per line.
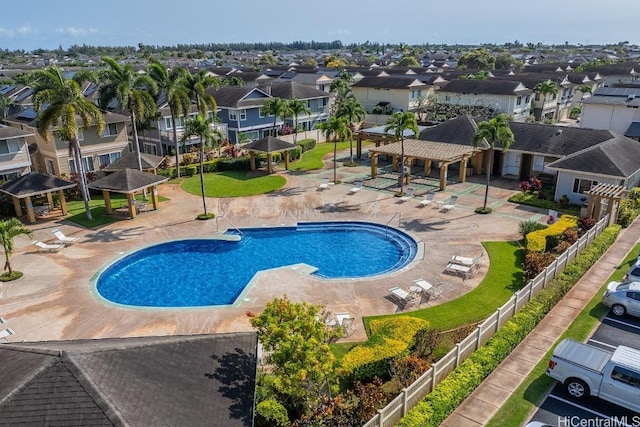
24, 94
28, 114
6, 88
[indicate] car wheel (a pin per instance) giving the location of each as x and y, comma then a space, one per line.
618, 310
577, 388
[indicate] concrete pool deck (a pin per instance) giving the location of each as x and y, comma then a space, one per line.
53, 301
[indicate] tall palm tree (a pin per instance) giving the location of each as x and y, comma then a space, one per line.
545, 88
353, 111
198, 84
133, 92
495, 130
64, 102
203, 129
5, 103
335, 129
399, 123
277, 107
342, 94
171, 83
10, 229
295, 107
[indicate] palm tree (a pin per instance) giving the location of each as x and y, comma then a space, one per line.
495, 130
353, 111
197, 85
8, 230
295, 107
336, 128
277, 107
171, 83
400, 122
203, 129
64, 102
5, 103
342, 94
544, 88
133, 92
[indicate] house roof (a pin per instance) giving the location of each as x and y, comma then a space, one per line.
617, 157
437, 151
34, 183
633, 131
234, 96
269, 144
554, 140
390, 82
7, 132
130, 160
291, 90
615, 96
459, 130
127, 181
486, 86
173, 380
30, 118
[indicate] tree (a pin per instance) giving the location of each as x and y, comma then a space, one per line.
399, 123
408, 61
276, 107
478, 59
336, 128
342, 95
494, 130
295, 107
64, 103
506, 61
5, 103
171, 83
203, 129
133, 92
304, 367
9, 229
352, 111
545, 88
197, 85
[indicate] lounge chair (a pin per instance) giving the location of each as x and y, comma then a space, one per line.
345, 320
427, 200
139, 205
61, 238
46, 247
403, 297
467, 261
5, 333
324, 185
451, 204
407, 196
461, 270
428, 289
356, 188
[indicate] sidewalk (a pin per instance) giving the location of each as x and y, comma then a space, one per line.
494, 391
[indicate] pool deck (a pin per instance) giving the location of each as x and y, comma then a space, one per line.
53, 301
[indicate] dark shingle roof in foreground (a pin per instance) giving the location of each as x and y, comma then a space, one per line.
35, 183
127, 181
199, 380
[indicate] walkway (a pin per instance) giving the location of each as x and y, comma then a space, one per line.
487, 399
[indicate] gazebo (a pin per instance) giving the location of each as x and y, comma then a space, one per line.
379, 136
269, 145
149, 162
36, 184
128, 181
605, 199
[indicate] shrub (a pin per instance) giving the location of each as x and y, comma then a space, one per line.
8, 277
535, 262
307, 144
562, 246
271, 413
234, 164
570, 235
530, 226
407, 369
585, 224
540, 240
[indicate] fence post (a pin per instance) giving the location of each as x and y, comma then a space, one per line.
404, 401
478, 335
433, 377
530, 293
499, 318
457, 354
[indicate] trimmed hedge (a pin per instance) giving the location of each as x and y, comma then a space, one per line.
307, 144
538, 241
459, 384
390, 337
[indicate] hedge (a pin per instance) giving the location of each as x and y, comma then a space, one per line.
307, 144
537, 241
459, 384
390, 337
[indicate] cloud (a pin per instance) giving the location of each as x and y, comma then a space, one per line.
6, 33
341, 32
76, 32
25, 30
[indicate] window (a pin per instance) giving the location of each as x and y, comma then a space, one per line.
243, 114
8, 176
626, 376
527, 99
519, 101
233, 114
107, 159
88, 165
582, 185
150, 148
537, 98
9, 146
110, 129
48, 164
415, 94
167, 123
323, 102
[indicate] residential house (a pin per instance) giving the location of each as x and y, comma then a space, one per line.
388, 94
318, 81
53, 157
613, 108
625, 72
239, 107
14, 153
317, 101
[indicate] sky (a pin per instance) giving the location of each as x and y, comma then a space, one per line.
49, 24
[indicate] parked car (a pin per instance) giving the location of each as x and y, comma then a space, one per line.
634, 272
623, 298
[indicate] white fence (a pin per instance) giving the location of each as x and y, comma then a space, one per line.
391, 414
313, 134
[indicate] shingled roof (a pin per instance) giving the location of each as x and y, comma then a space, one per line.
35, 183
130, 160
198, 380
554, 140
487, 86
459, 130
127, 181
391, 82
291, 90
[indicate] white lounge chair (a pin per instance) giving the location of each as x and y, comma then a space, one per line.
467, 261
427, 200
324, 185
356, 188
429, 290
407, 196
5, 333
61, 238
46, 247
345, 320
461, 270
404, 297
450, 204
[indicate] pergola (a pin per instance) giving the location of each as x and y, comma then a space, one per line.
609, 192
36, 184
378, 136
149, 162
429, 151
269, 145
128, 181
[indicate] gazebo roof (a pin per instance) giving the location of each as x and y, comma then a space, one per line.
439, 151
127, 181
269, 144
33, 184
129, 160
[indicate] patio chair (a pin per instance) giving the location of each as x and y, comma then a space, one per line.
407, 196
467, 261
402, 296
345, 320
61, 238
427, 200
139, 205
5, 333
428, 289
324, 185
46, 247
356, 188
451, 204
460, 270
553, 216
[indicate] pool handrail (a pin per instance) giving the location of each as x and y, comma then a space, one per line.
230, 223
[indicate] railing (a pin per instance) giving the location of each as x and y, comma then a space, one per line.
411, 395
397, 214
229, 222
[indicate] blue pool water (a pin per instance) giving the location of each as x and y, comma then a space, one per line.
206, 272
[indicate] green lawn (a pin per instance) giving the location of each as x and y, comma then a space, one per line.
312, 159
233, 184
535, 387
77, 214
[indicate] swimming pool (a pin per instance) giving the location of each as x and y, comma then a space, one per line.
208, 272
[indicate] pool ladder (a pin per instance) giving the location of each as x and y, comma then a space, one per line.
397, 214
229, 222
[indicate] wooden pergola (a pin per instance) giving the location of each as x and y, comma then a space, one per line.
378, 136
36, 184
269, 145
428, 151
605, 199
